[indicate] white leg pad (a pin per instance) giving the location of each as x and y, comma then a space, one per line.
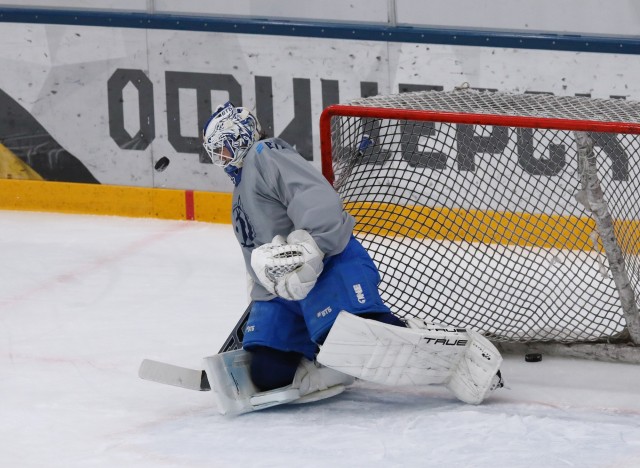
231, 384
423, 354
475, 375
230, 381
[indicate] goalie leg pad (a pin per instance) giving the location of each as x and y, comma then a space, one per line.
420, 355
476, 373
235, 393
392, 355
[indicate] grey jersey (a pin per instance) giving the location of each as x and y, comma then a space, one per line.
280, 192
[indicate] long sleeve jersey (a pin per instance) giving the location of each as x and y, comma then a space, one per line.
280, 192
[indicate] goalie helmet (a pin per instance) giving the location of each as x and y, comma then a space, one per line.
232, 128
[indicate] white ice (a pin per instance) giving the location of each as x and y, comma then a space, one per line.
83, 299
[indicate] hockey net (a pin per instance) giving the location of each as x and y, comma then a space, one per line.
517, 215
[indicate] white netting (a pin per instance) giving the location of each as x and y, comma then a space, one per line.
490, 226
517, 105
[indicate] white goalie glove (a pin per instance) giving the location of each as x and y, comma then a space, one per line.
288, 268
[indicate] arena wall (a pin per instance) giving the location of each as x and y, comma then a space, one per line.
92, 98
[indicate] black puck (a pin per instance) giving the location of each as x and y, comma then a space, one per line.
161, 164
533, 357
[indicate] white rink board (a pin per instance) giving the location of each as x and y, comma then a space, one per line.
59, 74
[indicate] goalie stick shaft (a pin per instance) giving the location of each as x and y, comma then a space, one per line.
169, 374
192, 379
234, 340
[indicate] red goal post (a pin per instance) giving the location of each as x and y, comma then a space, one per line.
517, 215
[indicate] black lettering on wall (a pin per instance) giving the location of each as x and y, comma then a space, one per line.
610, 145
547, 166
469, 144
368, 147
115, 86
414, 140
264, 104
368, 89
331, 95
409, 88
414, 131
299, 131
203, 83
330, 92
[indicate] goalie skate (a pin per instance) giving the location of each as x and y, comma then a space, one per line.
423, 354
235, 393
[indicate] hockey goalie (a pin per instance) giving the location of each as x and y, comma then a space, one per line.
317, 320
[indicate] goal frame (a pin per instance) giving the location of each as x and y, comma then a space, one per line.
626, 352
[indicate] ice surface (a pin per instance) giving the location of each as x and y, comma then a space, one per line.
83, 299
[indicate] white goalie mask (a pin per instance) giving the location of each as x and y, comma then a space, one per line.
233, 129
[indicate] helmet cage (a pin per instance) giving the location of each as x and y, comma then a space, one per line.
232, 128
